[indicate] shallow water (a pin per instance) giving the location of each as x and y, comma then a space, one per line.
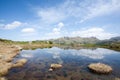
74, 63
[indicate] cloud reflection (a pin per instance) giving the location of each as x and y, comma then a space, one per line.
57, 56
98, 53
26, 54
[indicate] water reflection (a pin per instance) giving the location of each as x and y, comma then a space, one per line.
74, 64
96, 53
57, 57
27, 54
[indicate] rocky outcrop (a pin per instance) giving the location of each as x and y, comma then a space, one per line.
4, 68
3, 78
7, 53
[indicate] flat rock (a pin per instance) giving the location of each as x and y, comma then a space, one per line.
20, 63
55, 66
100, 68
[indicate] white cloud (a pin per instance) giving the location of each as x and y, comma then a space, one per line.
80, 10
102, 7
56, 32
75, 11
58, 28
29, 34
51, 15
60, 25
94, 32
13, 25
28, 30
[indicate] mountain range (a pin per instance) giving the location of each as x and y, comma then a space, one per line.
113, 42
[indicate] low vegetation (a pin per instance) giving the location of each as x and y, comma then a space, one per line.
28, 44
67, 42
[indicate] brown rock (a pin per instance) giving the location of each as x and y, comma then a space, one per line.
3, 78
100, 68
20, 63
50, 69
56, 66
117, 78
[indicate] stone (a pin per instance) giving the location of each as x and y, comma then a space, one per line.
50, 69
3, 78
20, 63
100, 68
56, 66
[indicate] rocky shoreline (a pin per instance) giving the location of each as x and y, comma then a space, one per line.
7, 53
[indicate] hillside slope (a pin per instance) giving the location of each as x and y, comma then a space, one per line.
75, 40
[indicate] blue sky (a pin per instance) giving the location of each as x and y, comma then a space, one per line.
25, 20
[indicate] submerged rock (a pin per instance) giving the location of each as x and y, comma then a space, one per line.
3, 78
50, 69
56, 66
20, 63
117, 78
100, 68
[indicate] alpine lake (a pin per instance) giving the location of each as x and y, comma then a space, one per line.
74, 64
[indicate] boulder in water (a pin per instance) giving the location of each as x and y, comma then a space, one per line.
56, 66
100, 68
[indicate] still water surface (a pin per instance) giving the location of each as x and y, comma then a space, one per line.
74, 63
